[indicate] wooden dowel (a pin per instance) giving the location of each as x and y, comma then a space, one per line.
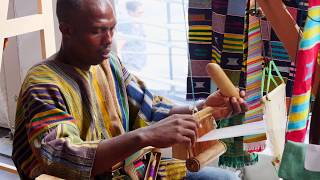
222, 81
47, 177
196, 163
203, 114
8, 168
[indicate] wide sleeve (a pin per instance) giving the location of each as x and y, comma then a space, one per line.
53, 135
144, 107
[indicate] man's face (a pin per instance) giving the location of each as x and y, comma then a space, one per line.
93, 33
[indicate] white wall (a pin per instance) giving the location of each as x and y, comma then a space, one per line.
22, 53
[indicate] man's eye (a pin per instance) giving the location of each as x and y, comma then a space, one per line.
96, 31
102, 30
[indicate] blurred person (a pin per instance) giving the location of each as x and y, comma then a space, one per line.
132, 46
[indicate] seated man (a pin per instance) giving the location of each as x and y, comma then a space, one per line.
81, 112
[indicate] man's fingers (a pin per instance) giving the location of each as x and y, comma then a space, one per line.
187, 118
190, 135
243, 105
185, 140
191, 125
235, 105
242, 94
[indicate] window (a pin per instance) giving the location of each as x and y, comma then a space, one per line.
151, 42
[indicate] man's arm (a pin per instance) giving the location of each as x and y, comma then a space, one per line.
56, 141
175, 129
283, 24
187, 109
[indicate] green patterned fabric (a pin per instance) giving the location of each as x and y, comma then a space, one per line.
235, 156
292, 164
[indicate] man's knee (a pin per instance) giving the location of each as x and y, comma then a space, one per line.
212, 173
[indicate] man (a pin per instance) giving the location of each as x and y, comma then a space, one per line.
80, 112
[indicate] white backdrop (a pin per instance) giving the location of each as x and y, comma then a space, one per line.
21, 53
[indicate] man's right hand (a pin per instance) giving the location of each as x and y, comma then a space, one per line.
175, 129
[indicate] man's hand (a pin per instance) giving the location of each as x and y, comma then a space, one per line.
175, 129
226, 106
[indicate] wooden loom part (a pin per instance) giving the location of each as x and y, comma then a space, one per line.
205, 152
194, 164
222, 81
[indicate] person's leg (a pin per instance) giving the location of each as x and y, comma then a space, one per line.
212, 173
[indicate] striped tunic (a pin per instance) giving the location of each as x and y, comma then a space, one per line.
64, 112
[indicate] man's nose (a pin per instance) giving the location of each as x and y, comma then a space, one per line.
108, 37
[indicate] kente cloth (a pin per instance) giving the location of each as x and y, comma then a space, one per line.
253, 64
235, 156
228, 49
172, 169
63, 113
224, 21
306, 63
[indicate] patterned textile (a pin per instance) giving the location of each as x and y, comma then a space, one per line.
235, 156
253, 84
64, 112
172, 169
228, 48
200, 40
307, 60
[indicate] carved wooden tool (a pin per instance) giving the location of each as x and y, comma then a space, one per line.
205, 152
222, 81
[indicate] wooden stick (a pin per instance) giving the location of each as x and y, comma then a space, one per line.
283, 24
8, 168
203, 114
196, 163
180, 151
47, 177
221, 79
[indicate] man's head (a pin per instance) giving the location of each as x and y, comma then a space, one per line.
134, 8
87, 28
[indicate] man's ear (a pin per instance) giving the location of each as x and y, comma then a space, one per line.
66, 29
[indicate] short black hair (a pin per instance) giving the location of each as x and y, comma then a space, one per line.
132, 6
67, 8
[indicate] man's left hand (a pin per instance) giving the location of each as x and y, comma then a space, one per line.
225, 107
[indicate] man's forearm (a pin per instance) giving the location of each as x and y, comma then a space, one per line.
285, 27
114, 150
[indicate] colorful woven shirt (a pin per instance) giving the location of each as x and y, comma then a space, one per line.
64, 112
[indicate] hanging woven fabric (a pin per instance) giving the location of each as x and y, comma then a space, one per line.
229, 50
200, 38
254, 143
226, 47
306, 62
